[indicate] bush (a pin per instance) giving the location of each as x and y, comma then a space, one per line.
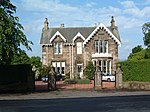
136, 70
83, 81
89, 71
70, 81
77, 81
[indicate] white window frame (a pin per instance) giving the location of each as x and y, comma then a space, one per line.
58, 48
108, 65
79, 47
102, 46
59, 65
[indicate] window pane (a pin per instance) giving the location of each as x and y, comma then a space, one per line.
108, 68
96, 46
105, 46
59, 48
62, 70
104, 66
79, 47
101, 46
79, 68
55, 48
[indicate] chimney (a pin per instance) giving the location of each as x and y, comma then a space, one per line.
112, 22
46, 24
62, 25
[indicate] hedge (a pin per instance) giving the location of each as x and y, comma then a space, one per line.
136, 70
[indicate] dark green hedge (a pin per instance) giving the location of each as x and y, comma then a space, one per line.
136, 70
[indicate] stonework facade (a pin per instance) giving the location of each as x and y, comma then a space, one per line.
68, 50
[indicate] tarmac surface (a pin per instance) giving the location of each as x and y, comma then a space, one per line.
77, 101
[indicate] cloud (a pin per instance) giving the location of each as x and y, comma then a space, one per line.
128, 4
46, 6
133, 10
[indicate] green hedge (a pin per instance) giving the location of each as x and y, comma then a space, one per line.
77, 81
136, 70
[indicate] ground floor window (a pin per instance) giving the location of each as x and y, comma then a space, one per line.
104, 65
59, 67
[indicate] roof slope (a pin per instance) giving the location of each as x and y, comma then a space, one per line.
70, 32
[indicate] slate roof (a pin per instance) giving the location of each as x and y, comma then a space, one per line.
70, 32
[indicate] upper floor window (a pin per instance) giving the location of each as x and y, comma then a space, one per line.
58, 48
101, 46
79, 47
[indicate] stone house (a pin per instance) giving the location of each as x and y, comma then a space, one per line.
68, 49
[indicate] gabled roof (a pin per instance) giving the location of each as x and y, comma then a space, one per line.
57, 34
70, 33
78, 35
101, 26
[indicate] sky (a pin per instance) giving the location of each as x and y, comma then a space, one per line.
129, 15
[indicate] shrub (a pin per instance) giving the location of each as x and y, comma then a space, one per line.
83, 81
89, 71
136, 70
70, 81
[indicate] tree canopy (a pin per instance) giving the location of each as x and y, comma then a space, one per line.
137, 49
11, 33
146, 32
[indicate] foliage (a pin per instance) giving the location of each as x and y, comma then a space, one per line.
70, 81
21, 58
137, 49
36, 66
36, 61
83, 81
146, 32
45, 70
136, 70
77, 81
147, 54
11, 33
137, 56
89, 71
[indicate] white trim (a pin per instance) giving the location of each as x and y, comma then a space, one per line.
100, 26
56, 34
78, 35
101, 55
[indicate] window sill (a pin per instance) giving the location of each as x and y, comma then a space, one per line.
101, 55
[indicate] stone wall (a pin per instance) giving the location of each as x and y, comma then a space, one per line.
135, 85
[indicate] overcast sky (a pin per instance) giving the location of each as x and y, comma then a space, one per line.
130, 15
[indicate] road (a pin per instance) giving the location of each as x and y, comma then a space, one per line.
138, 103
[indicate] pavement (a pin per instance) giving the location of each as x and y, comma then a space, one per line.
70, 94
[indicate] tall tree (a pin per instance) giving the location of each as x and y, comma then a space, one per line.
146, 32
11, 33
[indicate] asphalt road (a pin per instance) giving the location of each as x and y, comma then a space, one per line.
139, 103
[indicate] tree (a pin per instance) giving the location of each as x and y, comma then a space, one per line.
137, 49
36, 66
146, 32
36, 61
89, 70
11, 33
21, 58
